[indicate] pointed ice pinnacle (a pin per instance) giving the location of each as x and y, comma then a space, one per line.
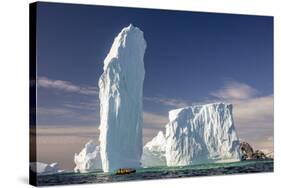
121, 92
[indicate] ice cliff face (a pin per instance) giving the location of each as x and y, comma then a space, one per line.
121, 90
88, 159
201, 134
154, 152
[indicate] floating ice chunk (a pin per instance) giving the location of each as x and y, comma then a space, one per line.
88, 159
45, 169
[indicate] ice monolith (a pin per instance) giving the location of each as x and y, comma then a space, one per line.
121, 94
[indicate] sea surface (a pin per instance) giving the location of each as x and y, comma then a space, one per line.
159, 173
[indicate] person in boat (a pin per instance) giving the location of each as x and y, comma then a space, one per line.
125, 171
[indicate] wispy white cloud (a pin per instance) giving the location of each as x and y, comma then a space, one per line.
235, 91
65, 116
153, 123
54, 111
91, 105
258, 110
152, 120
79, 131
172, 102
66, 86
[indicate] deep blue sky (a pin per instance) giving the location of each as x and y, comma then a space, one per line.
189, 54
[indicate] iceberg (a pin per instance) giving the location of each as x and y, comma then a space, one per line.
201, 134
45, 169
154, 151
121, 93
88, 159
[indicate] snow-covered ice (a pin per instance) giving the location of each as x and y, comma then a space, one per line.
45, 169
154, 151
201, 134
121, 93
88, 159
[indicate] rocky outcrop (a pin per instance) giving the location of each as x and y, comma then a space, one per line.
248, 153
246, 150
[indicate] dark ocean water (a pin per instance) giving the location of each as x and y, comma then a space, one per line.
159, 173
